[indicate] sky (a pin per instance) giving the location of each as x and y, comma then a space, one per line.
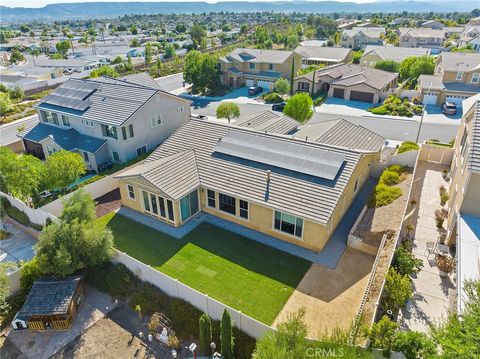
41, 3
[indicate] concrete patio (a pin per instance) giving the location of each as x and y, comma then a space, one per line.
430, 304
19, 246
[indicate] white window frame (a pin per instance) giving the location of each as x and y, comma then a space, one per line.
240, 209
65, 117
477, 76
156, 120
285, 233
459, 76
128, 192
113, 157
214, 197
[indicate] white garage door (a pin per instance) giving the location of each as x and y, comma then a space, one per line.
249, 82
265, 84
457, 100
430, 98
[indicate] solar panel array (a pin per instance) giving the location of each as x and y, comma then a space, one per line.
73, 95
288, 155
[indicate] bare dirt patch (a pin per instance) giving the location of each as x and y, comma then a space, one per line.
109, 202
331, 297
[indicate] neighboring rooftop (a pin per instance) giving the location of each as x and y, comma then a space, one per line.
373, 32
287, 190
431, 82
49, 296
460, 61
397, 54
352, 74
269, 121
320, 53
257, 56
342, 133
423, 32
69, 139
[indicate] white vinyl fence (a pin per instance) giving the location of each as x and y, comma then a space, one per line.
402, 159
14, 281
96, 189
35, 215
202, 301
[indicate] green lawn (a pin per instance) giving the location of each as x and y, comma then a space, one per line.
244, 274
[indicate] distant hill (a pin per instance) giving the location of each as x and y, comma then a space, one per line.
113, 9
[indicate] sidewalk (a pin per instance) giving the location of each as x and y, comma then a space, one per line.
430, 304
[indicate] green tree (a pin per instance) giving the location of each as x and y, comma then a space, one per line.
282, 86
133, 30
104, 70
76, 241
22, 174
63, 168
197, 32
226, 336
412, 67
5, 103
3, 38
135, 42
382, 334
459, 336
16, 56
398, 289
62, 47
34, 52
201, 71
4, 286
148, 54
180, 28
169, 51
205, 335
387, 65
228, 110
414, 345
405, 262
16, 93
356, 56
299, 107
70, 38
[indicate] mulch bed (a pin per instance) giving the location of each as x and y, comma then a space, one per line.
109, 202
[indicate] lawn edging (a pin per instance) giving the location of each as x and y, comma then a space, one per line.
173, 287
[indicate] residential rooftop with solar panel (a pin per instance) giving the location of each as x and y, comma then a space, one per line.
105, 120
288, 188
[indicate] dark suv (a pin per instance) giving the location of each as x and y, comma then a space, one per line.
254, 90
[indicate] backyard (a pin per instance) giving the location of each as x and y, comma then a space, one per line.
244, 274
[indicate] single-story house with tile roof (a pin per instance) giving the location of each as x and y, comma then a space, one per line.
291, 189
50, 304
269, 122
348, 81
321, 55
257, 67
374, 54
342, 133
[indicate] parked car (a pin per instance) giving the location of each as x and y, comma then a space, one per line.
255, 90
278, 106
68, 71
449, 108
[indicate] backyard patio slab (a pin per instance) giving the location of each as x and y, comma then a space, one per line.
431, 292
19, 246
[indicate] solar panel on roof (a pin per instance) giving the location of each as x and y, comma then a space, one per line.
72, 93
291, 156
66, 102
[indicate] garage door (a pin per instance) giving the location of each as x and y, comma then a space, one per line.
265, 84
361, 96
457, 100
430, 98
249, 82
338, 93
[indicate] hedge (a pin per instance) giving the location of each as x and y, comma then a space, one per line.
118, 281
407, 146
17, 214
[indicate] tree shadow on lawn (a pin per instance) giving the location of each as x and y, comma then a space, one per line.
156, 249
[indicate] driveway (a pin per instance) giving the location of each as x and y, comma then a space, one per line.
239, 96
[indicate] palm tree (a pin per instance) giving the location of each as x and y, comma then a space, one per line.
70, 37
93, 34
34, 52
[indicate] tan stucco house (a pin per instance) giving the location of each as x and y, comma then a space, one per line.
348, 81
257, 67
322, 55
374, 54
456, 78
423, 37
360, 37
248, 177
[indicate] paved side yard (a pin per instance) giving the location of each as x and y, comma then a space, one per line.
431, 292
19, 246
331, 297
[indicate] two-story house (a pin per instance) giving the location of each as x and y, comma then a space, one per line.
360, 37
257, 67
424, 37
105, 120
470, 36
456, 78
432, 24
463, 224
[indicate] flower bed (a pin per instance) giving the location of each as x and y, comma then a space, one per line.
395, 106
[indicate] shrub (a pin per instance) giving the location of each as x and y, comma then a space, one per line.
112, 279
414, 345
405, 262
407, 146
382, 334
443, 195
13, 212
398, 289
440, 216
383, 195
389, 178
226, 335
380, 110
397, 169
272, 97
205, 335
29, 273
444, 263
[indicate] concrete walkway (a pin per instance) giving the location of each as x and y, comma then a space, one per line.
431, 292
328, 257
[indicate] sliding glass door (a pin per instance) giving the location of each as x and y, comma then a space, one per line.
189, 205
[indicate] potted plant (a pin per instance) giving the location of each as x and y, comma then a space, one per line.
445, 264
440, 216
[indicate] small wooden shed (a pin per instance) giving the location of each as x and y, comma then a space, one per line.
51, 304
